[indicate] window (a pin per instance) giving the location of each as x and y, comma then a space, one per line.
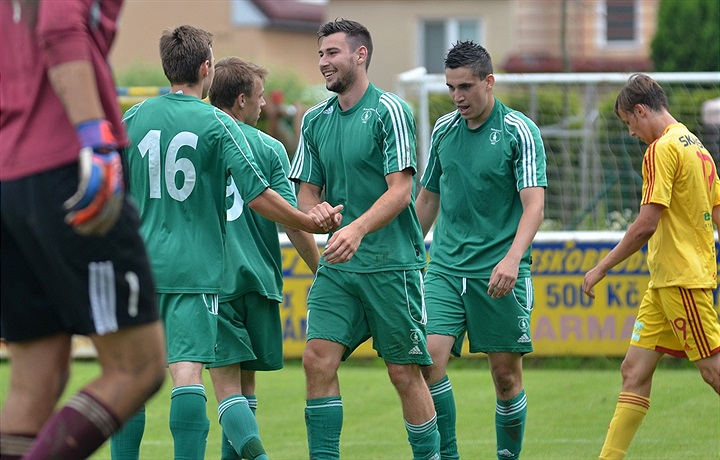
620, 22
438, 35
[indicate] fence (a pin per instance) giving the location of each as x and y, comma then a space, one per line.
593, 165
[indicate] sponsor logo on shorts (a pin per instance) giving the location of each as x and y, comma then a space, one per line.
524, 339
415, 351
505, 453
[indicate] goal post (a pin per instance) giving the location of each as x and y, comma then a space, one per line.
593, 164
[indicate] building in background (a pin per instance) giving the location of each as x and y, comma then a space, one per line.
522, 35
278, 34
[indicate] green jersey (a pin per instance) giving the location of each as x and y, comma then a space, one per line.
253, 259
183, 151
478, 174
349, 153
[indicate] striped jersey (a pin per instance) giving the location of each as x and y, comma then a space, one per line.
183, 151
253, 258
478, 174
680, 174
349, 153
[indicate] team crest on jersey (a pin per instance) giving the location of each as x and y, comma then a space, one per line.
494, 136
367, 113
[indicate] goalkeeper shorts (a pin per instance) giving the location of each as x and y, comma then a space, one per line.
56, 281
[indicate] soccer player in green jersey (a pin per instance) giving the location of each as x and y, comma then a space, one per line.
680, 202
249, 328
485, 184
183, 153
358, 148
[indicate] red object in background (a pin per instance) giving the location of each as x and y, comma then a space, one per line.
277, 96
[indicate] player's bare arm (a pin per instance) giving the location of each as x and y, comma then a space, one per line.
504, 275
427, 206
271, 205
345, 242
634, 239
322, 212
716, 220
306, 247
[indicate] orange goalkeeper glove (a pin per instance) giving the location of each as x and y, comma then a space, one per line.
96, 205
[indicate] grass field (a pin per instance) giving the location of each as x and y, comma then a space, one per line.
570, 403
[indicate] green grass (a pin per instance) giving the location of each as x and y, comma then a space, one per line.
570, 403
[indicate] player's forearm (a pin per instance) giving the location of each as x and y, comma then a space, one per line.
427, 206
527, 229
75, 85
306, 247
716, 219
271, 205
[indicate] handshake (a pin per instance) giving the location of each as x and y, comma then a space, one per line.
96, 205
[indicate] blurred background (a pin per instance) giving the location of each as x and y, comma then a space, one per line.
559, 61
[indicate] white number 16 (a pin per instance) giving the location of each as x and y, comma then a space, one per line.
151, 145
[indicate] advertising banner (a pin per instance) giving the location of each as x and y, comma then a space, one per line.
564, 321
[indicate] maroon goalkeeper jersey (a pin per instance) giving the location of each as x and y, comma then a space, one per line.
36, 133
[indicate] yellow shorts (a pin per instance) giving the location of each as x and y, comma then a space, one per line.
679, 322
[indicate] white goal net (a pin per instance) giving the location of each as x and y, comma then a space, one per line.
593, 165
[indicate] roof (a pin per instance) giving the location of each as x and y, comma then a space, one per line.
293, 15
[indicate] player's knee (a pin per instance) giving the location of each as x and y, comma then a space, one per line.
403, 376
315, 363
711, 377
507, 381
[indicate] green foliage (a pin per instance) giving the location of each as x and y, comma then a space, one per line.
373, 429
687, 37
141, 74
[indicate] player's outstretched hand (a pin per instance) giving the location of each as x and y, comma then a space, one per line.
96, 205
326, 216
592, 277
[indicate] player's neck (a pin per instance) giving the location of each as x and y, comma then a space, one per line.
661, 122
188, 90
352, 95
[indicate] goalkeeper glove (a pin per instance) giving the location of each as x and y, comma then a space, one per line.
96, 205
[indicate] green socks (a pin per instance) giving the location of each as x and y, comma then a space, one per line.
444, 400
424, 440
240, 427
510, 426
252, 402
324, 420
189, 424
125, 444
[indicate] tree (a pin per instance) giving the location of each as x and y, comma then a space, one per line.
687, 37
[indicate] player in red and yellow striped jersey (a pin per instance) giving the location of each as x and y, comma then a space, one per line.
680, 202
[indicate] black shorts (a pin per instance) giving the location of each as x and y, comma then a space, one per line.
53, 280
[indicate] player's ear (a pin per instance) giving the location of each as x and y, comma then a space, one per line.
490, 81
362, 54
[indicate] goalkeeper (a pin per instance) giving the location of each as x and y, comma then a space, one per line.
73, 261
486, 179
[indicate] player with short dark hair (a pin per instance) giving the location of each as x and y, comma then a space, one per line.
249, 328
73, 260
183, 153
358, 148
680, 201
485, 184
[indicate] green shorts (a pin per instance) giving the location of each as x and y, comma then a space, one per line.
348, 308
250, 333
190, 326
458, 305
